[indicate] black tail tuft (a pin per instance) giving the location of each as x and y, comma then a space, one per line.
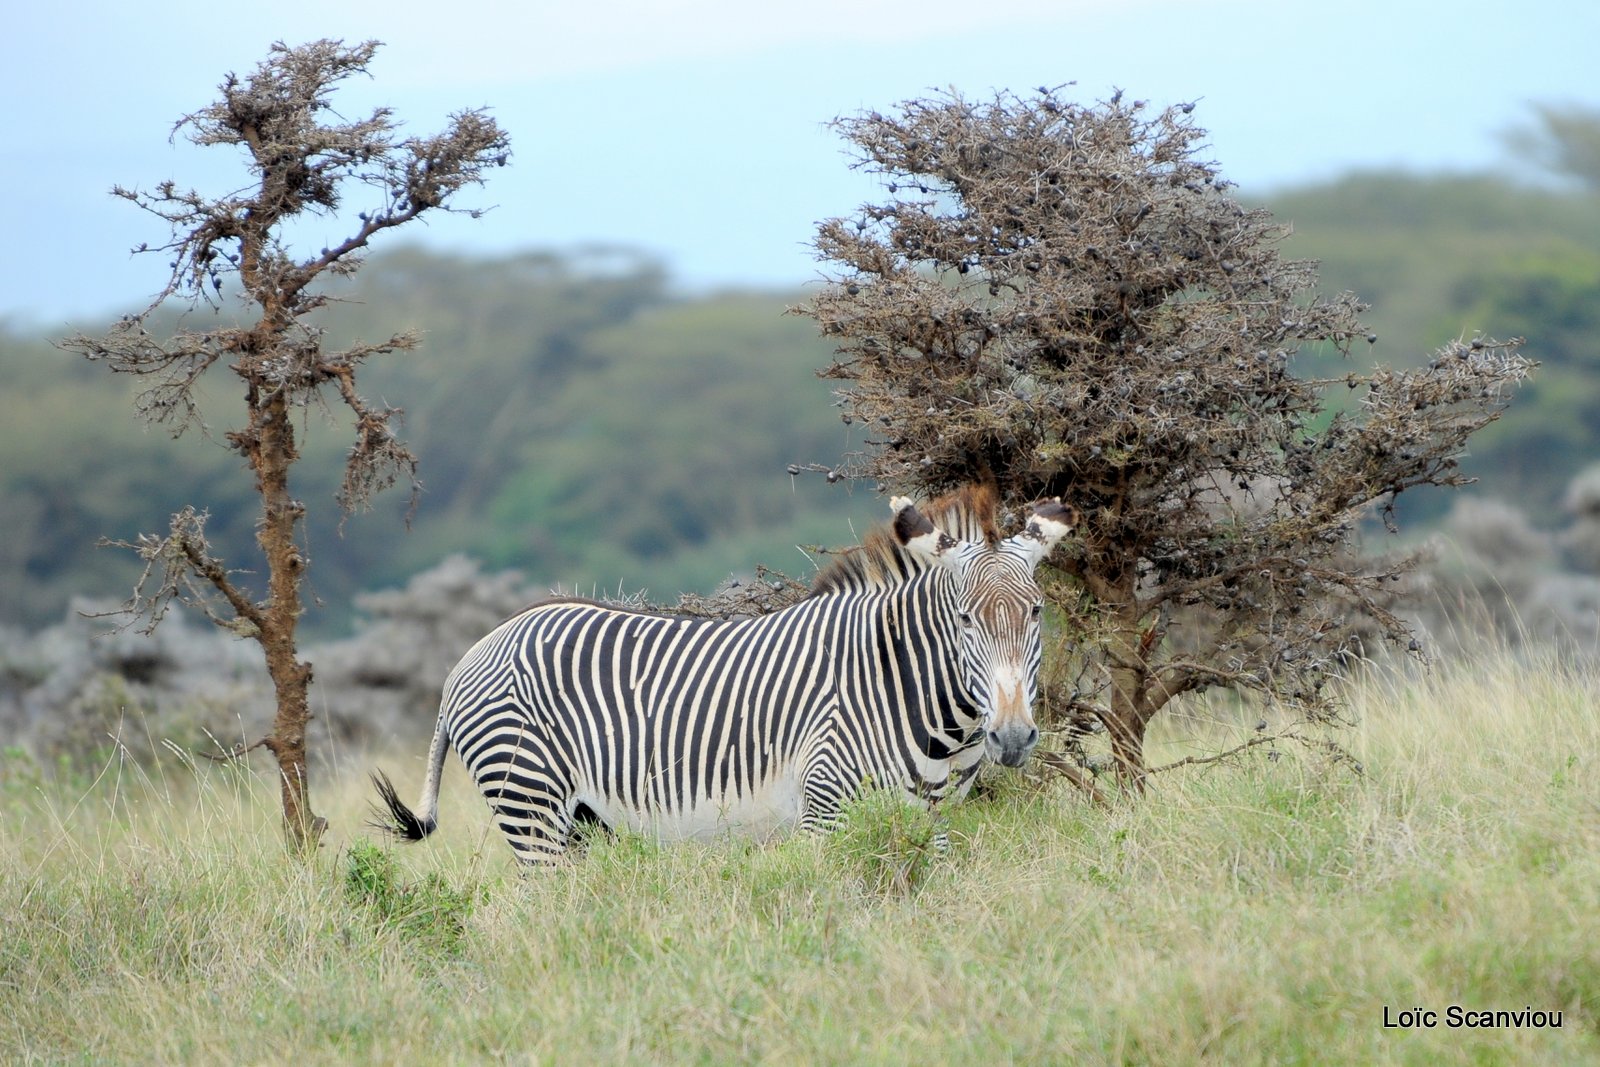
394, 817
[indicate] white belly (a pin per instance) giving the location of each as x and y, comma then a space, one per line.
770, 811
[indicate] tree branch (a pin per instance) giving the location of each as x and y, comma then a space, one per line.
1073, 773
237, 751
249, 618
1198, 761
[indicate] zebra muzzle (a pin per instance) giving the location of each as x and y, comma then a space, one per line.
1010, 733
1012, 743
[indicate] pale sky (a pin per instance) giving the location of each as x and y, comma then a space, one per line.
696, 131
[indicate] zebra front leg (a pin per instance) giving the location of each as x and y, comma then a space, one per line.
825, 801
821, 818
824, 794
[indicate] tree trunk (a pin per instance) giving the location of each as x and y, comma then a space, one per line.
301, 826
1127, 748
274, 454
1129, 704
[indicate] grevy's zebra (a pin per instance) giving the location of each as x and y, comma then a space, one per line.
913, 656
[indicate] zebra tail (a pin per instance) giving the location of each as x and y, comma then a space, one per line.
393, 817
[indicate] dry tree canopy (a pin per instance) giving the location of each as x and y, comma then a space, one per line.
304, 159
1065, 299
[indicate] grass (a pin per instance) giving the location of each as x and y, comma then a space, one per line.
1264, 911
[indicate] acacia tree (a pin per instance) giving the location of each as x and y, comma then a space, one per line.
1064, 300
303, 159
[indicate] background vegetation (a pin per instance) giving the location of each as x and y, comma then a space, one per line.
553, 397
552, 390
1443, 257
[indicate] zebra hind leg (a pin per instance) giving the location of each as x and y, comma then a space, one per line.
586, 826
577, 831
537, 827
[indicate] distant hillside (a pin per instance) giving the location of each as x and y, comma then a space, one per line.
574, 420
1446, 257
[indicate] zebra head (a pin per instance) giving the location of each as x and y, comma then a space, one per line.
997, 605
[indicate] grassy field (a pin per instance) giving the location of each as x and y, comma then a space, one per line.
1267, 911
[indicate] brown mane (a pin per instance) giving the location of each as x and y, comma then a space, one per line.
967, 514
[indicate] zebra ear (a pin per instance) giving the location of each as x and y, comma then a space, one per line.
1050, 522
914, 533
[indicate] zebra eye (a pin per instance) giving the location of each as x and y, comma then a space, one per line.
966, 619
1037, 608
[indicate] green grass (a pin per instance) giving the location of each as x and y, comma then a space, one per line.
1264, 911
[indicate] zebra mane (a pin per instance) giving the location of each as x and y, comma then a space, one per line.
967, 514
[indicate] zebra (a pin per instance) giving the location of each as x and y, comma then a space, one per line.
912, 657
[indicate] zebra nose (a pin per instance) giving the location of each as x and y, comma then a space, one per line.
1012, 745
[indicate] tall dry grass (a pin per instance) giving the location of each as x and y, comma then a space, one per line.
1268, 910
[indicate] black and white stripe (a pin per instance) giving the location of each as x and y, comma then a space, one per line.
907, 663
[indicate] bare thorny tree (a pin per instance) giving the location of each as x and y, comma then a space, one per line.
304, 159
1064, 300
